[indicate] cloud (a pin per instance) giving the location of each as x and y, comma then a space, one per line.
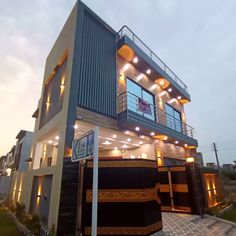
195, 38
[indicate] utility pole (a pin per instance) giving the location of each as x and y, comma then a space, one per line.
216, 154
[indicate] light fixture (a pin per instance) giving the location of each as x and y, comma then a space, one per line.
169, 90
50, 141
148, 71
140, 142
115, 148
135, 60
137, 128
185, 145
114, 136
176, 142
154, 86
127, 132
126, 67
57, 137
190, 159
152, 133
162, 82
179, 97
75, 126
128, 139
141, 136
139, 77
106, 143
124, 146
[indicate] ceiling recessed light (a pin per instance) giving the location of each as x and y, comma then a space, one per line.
57, 137
50, 141
162, 82
152, 133
179, 97
148, 71
75, 126
140, 142
137, 128
127, 132
169, 90
135, 60
185, 145
114, 136
124, 146
126, 67
176, 142
139, 77
106, 143
128, 139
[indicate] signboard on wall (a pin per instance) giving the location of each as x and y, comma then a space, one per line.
144, 106
83, 147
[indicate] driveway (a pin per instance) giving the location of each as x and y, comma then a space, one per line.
185, 224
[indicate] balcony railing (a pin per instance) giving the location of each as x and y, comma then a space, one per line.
126, 31
130, 101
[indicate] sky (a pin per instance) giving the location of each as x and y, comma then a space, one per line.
196, 39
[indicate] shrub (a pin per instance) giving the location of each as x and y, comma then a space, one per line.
33, 223
19, 210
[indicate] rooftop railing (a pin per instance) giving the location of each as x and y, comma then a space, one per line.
130, 101
126, 31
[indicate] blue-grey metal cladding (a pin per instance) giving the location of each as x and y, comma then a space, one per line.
97, 77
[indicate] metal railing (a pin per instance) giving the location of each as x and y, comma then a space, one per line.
126, 31
130, 101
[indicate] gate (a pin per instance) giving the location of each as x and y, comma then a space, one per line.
174, 190
181, 189
128, 199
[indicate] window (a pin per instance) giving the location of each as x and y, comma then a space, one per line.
140, 100
173, 118
49, 162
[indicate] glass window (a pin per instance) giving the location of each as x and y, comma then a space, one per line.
140, 100
173, 118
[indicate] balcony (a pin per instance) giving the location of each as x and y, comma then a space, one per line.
152, 120
149, 59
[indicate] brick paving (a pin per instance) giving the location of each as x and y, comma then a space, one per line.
187, 225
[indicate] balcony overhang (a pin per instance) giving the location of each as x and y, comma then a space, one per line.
128, 49
128, 120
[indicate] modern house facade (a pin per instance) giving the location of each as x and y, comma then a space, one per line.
95, 76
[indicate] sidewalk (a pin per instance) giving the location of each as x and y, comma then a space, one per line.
187, 225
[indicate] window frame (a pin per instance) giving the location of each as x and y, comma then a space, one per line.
173, 116
145, 90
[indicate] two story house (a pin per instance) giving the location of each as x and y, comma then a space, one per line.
95, 76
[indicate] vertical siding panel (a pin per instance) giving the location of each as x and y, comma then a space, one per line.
97, 78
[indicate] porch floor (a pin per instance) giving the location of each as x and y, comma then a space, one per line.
186, 224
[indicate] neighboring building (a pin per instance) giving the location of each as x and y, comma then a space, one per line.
20, 153
95, 76
23, 149
228, 168
199, 159
211, 165
11, 163
3, 165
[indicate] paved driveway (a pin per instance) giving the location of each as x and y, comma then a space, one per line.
185, 224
